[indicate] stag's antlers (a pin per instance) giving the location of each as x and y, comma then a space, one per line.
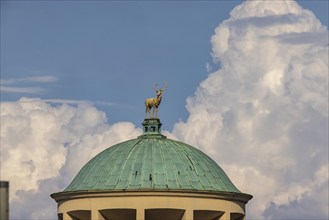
164, 87
155, 87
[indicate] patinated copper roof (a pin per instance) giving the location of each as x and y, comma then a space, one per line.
152, 162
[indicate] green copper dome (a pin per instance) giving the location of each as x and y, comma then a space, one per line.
151, 162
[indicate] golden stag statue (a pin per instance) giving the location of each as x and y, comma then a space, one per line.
153, 103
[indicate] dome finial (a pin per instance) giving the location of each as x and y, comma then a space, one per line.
153, 103
152, 127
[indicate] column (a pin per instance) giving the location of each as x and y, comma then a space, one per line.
140, 214
66, 216
95, 215
225, 216
188, 215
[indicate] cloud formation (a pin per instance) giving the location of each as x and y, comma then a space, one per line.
24, 90
75, 102
36, 79
11, 85
43, 146
264, 114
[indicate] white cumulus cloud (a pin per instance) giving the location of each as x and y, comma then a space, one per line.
263, 116
43, 146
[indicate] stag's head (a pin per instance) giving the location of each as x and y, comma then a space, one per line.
160, 91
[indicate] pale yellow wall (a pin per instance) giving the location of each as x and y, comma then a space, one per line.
150, 200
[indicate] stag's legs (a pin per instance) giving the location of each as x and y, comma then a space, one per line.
152, 112
147, 110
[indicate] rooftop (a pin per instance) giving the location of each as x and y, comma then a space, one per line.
152, 162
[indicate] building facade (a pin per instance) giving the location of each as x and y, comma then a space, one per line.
4, 200
151, 178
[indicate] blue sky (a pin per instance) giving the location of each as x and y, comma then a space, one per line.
113, 52
247, 85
